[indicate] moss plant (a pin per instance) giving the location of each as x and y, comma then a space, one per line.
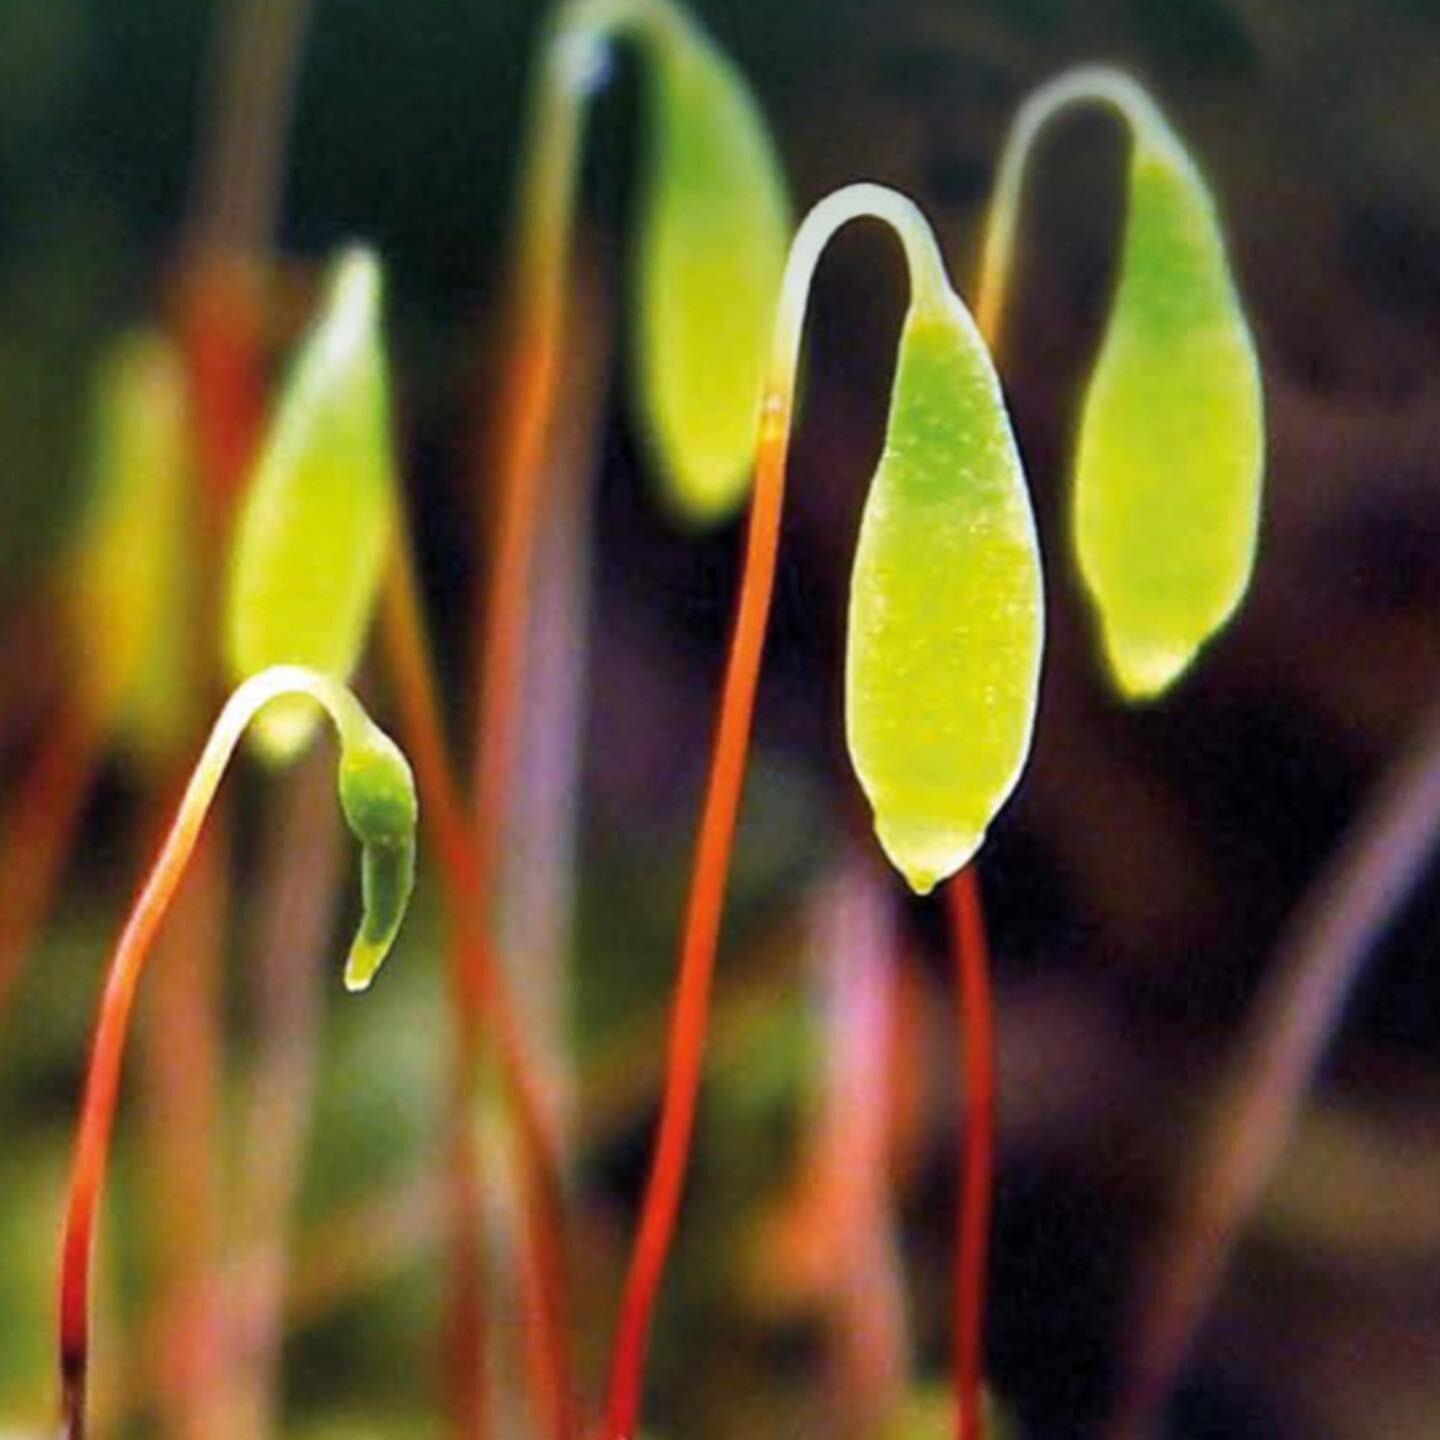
377, 796
318, 528
1166, 502
1166, 509
950, 455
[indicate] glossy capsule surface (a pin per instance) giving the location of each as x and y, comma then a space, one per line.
1171, 449
946, 609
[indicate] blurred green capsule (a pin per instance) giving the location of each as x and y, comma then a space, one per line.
712, 250
316, 516
129, 587
1171, 451
946, 606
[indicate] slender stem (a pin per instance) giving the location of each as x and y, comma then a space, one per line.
251, 75
298, 900
977, 1146
482, 999
39, 830
1311, 977
571, 64
690, 1012
1086, 85
103, 1079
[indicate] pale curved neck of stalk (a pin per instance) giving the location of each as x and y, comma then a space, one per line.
1088, 85
279, 681
928, 283
573, 65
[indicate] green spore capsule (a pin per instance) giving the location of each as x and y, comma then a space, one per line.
946, 607
316, 516
1171, 451
377, 796
130, 583
711, 255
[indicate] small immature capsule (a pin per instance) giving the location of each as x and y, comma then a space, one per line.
1171, 450
316, 516
946, 607
377, 796
711, 255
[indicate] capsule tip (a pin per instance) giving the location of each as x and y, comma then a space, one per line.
925, 853
1145, 671
364, 960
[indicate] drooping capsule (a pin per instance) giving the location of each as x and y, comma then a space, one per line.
946, 607
377, 796
1171, 447
316, 515
711, 253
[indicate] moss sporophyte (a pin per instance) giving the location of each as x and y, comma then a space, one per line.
377, 796
949, 470
1166, 498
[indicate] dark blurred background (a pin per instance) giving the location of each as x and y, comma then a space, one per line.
1139, 882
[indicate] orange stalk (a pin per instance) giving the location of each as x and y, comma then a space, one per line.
98, 1112
689, 1017
690, 1013
482, 1001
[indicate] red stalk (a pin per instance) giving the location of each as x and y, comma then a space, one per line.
977, 1146
690, 1014
98, 1111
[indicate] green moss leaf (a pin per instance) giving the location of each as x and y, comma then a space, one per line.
711, 256
316, 516
1167, 490
946, 608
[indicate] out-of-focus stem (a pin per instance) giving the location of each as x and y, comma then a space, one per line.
482, 1003
690, 1012
235, 195
250, 82
39, 829
298, 897
855, 949
182, 1066
537, 882
1258, 1099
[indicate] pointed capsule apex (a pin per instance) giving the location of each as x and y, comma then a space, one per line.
1145, 672
925, 854
315, 518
